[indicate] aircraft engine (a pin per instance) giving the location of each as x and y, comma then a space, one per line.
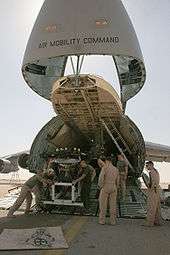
23, 160
6, 166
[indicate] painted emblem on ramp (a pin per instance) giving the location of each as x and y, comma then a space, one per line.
41, 238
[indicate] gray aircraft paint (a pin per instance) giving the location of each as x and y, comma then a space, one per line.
81, 27
69, 27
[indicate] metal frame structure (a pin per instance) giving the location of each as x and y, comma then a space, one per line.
55, 198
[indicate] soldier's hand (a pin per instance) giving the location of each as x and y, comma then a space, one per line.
50, 182
74, 182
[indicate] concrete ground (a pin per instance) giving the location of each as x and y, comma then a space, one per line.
128, 237
86, 236
22, 221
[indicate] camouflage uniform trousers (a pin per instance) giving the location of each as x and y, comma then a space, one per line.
25, 194
122, 185
85, 194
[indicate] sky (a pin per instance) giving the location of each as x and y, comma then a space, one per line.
23, 113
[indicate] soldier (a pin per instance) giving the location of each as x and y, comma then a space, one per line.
108, 184
86, 178
153, 200
36, 182
122, 166
100, 162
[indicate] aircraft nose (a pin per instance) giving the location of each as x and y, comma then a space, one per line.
75, 28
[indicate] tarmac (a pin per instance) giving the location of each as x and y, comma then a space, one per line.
85, 236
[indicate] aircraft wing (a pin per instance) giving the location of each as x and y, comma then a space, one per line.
157, 152
9, 163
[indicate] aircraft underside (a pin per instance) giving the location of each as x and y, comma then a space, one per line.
90, 118
89, 121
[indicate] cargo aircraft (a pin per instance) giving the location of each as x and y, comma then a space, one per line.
90, 114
